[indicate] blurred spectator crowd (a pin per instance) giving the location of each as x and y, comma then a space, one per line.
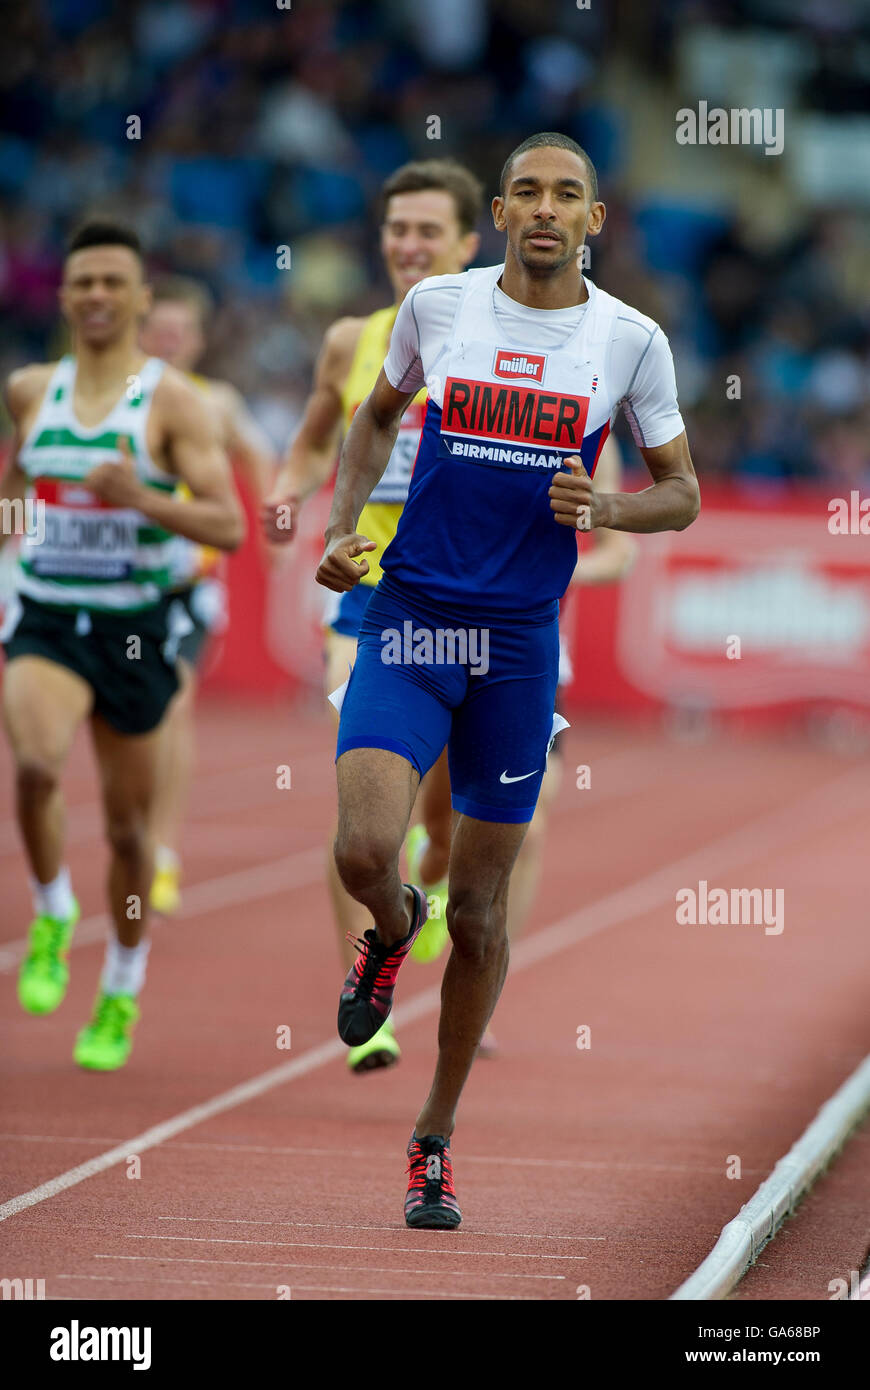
262, 126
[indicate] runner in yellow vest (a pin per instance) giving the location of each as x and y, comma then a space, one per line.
175, 330
430, 209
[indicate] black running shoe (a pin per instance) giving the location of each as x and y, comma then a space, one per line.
431, 1200
367, 995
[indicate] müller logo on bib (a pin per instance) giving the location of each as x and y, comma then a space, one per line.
58, 492
519, 364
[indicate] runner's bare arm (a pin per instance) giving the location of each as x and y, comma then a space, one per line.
246, 441
24, 390
671, 504
613, 552
213, 515
311, 455
364, 458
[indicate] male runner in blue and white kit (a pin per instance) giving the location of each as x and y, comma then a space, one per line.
526, 365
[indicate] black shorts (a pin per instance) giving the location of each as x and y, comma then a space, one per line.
133, 680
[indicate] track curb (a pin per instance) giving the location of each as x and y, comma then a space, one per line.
758, 1220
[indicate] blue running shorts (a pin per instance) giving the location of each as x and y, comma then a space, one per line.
424, 677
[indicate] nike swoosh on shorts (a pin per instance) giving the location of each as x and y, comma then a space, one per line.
504, 777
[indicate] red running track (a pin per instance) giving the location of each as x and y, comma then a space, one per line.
600, 1168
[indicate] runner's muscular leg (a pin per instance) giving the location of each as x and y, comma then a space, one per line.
527, 870
376, 791
43, 704
175, 761
481, 861
436, 814
350, 916
128, 777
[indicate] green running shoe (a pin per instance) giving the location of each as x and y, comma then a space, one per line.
44, 973
106, 1042
434, 936
380, 1051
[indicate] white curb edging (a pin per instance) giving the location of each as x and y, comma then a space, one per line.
758, 1220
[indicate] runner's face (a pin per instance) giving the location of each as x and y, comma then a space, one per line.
103, 293
547, 210
421, 236
173, 332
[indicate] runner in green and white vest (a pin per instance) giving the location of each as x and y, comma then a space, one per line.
90, 554
103, 441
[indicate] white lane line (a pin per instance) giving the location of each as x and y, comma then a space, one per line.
582, 1163
353, 1226
324, 1245
595, 1165
835, 801
61, 1138
85, 819
409, 1296
311, 1264
243, 886
306, 1288
158, 1134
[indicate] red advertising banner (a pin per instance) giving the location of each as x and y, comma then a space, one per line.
752, 606
275, 636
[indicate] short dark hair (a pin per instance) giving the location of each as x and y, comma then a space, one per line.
104, 232
554, 140
179, 289
442, 174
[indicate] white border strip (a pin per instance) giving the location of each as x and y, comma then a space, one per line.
760, 1218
